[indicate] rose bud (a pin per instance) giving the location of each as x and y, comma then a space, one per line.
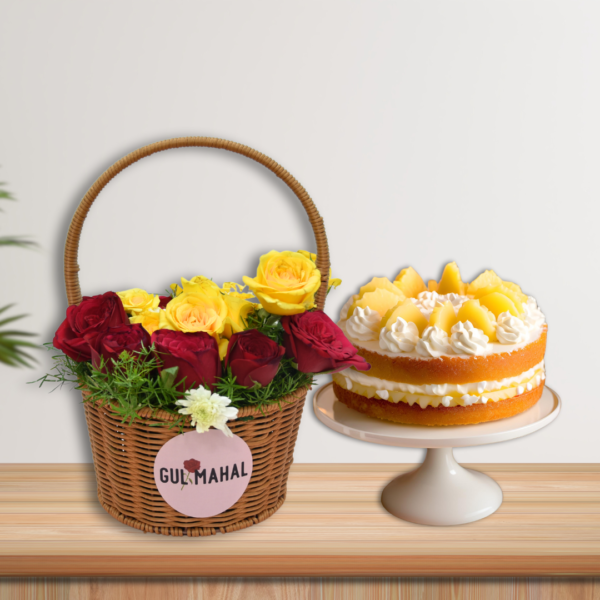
110, 344
318, 344
253, 357
84, 321
196, 354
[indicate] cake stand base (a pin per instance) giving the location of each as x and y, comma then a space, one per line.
441, 492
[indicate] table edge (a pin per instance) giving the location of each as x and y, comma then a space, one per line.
301, 566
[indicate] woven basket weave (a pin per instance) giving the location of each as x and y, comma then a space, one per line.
124, 454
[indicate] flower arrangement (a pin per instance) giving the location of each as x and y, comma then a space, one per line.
204, 350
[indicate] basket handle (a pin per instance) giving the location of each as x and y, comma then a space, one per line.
74, 233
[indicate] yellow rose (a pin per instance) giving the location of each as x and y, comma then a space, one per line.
151, 320
197, 311
333, 283
195, 284
237, 311
137, 301
285, 283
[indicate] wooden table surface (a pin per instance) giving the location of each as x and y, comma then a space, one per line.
331, 524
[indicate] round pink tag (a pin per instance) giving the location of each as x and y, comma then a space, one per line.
203, 474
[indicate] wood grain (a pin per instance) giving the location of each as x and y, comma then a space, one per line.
332, 524
292, 588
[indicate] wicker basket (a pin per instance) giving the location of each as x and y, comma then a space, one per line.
124, 454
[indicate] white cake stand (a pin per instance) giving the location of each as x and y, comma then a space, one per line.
440, 491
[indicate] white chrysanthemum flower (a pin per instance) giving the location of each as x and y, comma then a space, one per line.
208, 410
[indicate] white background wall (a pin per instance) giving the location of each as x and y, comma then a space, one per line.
425, 132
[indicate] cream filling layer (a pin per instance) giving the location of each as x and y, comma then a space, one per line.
440, 389
446, 394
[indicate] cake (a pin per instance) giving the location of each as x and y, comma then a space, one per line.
445, 353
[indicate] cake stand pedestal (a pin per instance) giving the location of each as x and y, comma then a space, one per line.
440, 491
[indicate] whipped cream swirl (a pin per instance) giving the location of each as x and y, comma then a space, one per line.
363, 323
401, 337
467, 339
434, 342
427, 301
511, 330
533, 317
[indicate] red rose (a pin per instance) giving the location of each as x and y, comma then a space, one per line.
110, 343
164, 300
78, 332
196, 355
191, 465
253, 357
318, 344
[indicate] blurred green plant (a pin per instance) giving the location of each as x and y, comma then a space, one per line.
13, 342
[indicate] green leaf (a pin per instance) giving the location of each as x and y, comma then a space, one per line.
273, 320
12, 343
4, 195
20, 334
168, 376
5, 308
11, 319
18, 242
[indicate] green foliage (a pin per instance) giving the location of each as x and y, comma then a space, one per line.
65, 371
19, 241
266, 323
287, 380
13, 342
132, 385
4, 195
135, 383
